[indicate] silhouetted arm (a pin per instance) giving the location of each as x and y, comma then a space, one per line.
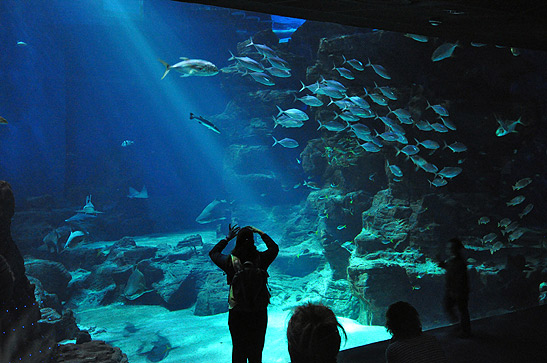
273, 249
216, 254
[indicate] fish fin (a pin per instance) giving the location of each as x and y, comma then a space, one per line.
192, 116
184, 58
275, 141
167, 68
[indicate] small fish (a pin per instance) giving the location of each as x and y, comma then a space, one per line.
496, 247
516, 200
341, 227
354, 63
408, 150
248, 63
262, 78
515, 51
504, 222
127, 143
516, 235
526, 210
386, 91
312, 185
456, 147
443, 51
293, 113
439, 110
380, 70
507, 127
428, 144
449, 124
395, 170
286, 142
510, 228
418, 38
3, 121
522, 183
332, 126
309, 100
21, 44
280, 73
489, 237
205, 123
344, 72
430, 168
423, 125
191, 67
264, 50
450, 172
439, 127
438, 182
371, 176
484, 220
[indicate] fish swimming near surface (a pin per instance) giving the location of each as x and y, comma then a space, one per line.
217, 210
3, 121
133, 193
191, 67
205, 123
157, 350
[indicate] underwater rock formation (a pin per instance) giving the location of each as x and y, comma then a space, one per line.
94, 351
20, 312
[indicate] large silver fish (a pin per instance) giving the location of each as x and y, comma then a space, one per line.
191, 67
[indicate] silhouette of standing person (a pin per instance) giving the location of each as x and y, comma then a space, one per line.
248, 315
457, 286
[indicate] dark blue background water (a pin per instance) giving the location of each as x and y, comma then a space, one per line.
89, 78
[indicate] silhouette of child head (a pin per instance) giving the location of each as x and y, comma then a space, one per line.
403, 321
313, 335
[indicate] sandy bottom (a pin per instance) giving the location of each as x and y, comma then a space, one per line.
194, 338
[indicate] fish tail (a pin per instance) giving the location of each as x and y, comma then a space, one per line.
232, 56
428, 104
368, 63
344, 58
303, 86
445, 145
275, 141
167, 68
275, 122
280, 111
320, 124
192, 116
398, 151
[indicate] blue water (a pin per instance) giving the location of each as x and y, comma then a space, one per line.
88, 78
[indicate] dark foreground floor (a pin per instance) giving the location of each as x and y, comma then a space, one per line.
511, 338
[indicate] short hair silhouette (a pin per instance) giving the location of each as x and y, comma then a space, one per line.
245, 248
403, 320
313, 334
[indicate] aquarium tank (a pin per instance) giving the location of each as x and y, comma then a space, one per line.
134, 132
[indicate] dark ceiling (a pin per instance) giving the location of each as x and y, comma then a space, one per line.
515, 23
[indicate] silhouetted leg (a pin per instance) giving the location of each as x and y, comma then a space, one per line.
258, 334
449, 305
236, 322
465, 321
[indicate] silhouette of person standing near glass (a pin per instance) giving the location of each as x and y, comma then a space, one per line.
249, 295
457, 286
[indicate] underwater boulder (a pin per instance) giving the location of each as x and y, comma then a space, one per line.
56, 326
53, 275
298, 265
212, 299
378, 283
193, 240
93, 351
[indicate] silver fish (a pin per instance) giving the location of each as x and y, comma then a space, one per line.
357, 65
484, 220
380, 70
526, 210
439, 110
293, 113
191, 67
443, 51
450, 172
262, 78
205, 123
522, 183
286, 142
456, 147
516, 200
309, 100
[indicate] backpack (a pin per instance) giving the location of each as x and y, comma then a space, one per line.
249, 289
